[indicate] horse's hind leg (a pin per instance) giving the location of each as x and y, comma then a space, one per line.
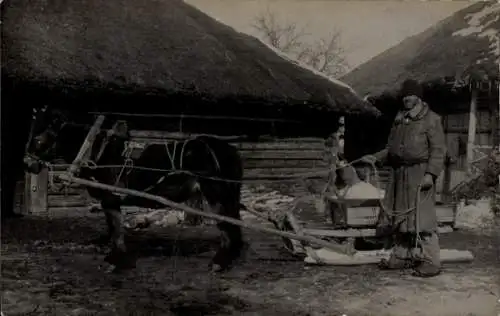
231, 240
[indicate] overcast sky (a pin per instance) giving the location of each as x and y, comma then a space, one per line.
367, 27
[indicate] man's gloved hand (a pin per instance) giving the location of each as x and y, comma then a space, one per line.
427, 182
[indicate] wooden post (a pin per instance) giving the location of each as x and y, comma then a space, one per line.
472, 130
36, 193
498, 125
87, 144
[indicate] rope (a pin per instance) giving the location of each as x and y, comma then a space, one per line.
394, 214
297, 176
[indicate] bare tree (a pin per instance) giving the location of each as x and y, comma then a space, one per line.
325, 55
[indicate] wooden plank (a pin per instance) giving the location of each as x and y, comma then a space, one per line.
87, 144
282, 154
67, 191
292, 140
64, 201
279, 171
374, 257
367, 232
36, 193
280, 146
26, 207
64, 211
258, 177
282, 163
152, 134
198, 117
180, 138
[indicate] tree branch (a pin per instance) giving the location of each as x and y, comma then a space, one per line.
325, 55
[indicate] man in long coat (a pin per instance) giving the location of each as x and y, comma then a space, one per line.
416, 152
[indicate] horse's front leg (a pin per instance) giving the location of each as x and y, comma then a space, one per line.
119, 256
105, 238
231, 239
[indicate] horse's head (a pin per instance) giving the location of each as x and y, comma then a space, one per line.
110, 145
44, 131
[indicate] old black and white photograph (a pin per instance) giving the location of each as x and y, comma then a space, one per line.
250, 157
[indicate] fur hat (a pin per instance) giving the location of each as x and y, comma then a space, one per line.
411, 87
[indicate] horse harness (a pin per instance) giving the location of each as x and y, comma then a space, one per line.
128, 162
171, 153
171, 156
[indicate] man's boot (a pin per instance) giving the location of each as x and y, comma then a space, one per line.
429, 263
400, 256
426, 270
394, 263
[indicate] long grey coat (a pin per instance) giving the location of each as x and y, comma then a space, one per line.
416, 146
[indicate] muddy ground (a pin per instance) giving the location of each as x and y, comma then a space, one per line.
48, 269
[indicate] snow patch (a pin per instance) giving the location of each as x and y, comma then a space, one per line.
476, 215
481, 28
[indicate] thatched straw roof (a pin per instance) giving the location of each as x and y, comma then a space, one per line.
464, 46
163, 48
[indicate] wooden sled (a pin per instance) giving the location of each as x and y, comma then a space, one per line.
351, 224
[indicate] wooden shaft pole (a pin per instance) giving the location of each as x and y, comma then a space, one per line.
87, 143
187, 209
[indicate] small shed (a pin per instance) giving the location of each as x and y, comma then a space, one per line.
457, 61
168, 67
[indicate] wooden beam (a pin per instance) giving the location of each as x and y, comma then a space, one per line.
201, 117
87, 144
472, 130
161, 136
374, 257
364, 232
497, 131
282, 154
36, 193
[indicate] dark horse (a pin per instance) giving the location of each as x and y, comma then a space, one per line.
213, 170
